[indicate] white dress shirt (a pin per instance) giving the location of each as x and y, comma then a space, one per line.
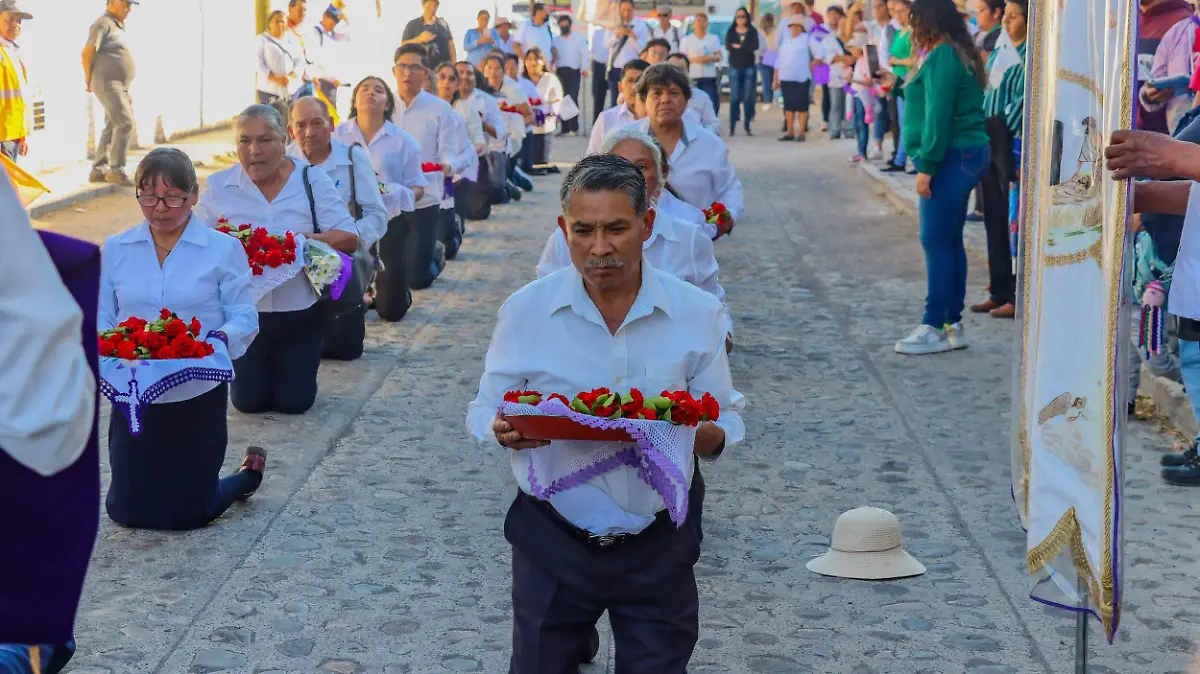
470, 111
396, 157
338, 166
465, 163
572, 52
680, 249
274, 58
542, 37
550, 91
794, 63
322, 49
490, 107
700, 169
506, 46
431, 121
550, 337
684, 212
48, 400
206, 275
608, 121
695, 47
231, 194
671, 34
599, 47
631, 49
706, 113
296, 45
516, 95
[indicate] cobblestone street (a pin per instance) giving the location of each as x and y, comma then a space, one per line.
375, 543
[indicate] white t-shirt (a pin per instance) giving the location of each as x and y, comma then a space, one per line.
795, 58
542, 37
832, 48
695, 48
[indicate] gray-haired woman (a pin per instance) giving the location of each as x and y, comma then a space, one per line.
167, 475
271, 190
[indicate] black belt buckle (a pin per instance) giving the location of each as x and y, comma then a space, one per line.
606, 541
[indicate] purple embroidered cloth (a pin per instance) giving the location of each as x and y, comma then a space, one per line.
131, 385
661, 454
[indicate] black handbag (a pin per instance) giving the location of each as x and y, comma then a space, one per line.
351, 299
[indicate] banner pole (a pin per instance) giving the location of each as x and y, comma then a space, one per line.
1081, 630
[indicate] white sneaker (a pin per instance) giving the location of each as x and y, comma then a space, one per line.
875, 151
924, 340
956, 334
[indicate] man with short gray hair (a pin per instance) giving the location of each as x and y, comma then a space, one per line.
604, 540
108, 69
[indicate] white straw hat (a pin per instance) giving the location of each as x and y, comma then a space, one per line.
866, 545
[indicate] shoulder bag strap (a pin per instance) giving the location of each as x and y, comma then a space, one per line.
312, 203
355, 207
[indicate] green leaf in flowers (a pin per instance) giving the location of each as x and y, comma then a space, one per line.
579, 406
530, 399
665, 416
660, 403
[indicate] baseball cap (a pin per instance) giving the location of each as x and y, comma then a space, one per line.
12, 7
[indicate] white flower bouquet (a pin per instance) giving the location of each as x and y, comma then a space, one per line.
326, 268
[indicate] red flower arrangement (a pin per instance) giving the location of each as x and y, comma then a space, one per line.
505, 107
431, 167
677, 407
166, 338
535, 101
263, 250
718, 215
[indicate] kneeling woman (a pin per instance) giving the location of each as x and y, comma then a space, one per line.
167, 477
269, 189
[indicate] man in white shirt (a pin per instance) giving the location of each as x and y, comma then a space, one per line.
323, 51
608, 541
536, 33
699, 104
663, 29
703, 50
624, 44
349, 167
574, 63
620, 115
599, 56
431, 121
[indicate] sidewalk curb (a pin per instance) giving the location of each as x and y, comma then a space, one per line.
1168, 395
92, 191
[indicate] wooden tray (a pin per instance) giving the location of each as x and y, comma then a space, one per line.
541, 427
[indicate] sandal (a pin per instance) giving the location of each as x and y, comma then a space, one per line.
255, 461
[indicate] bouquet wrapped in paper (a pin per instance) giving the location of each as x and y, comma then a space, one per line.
326, 268
273, 258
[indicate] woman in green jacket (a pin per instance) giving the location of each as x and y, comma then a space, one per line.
944, 133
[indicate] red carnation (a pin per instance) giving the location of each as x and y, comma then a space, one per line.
126, 350
711, 410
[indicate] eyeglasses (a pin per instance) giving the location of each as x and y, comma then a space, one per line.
151, 201
410, 68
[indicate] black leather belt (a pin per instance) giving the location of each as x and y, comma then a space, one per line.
1189, 330
661, 524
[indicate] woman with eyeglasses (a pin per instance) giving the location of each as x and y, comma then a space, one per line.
550, 93
468, 134
166, 477
269, 189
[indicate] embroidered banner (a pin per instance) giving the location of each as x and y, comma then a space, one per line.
1070, 397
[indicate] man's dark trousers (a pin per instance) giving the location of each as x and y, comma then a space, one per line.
995, 212
570, 78
614, 78
561, 586
599, 87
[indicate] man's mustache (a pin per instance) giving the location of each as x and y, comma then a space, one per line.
604, 263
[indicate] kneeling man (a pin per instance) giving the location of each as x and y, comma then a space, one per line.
610, 319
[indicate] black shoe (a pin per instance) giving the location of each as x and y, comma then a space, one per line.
593, 648
439, 251
892, 168
535, 172
1131, 408
1183, 458
732, 131
749, 132
1184, 476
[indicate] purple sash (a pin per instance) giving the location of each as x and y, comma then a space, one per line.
51, 523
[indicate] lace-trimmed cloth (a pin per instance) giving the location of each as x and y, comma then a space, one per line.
134, 384
273, 277
662, 454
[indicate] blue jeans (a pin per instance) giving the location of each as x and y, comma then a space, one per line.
860, 125
741, 90
901, 155
709, 86
942, 218
1189, 369
767, 75
881, 120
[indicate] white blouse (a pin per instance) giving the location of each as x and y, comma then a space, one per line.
231, 194
464, 162
431, 121
274, 58
396, 158
206, 275
550, 90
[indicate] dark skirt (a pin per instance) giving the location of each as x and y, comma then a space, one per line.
168, 476
795, 96
278, 373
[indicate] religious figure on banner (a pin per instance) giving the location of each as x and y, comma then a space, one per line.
1068, 436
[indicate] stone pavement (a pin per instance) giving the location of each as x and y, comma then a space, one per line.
375, 544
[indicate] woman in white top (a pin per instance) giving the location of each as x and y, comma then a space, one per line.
793, 76
396, 157
269, 189
465, 161
277, 66
550, 92
167, 476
